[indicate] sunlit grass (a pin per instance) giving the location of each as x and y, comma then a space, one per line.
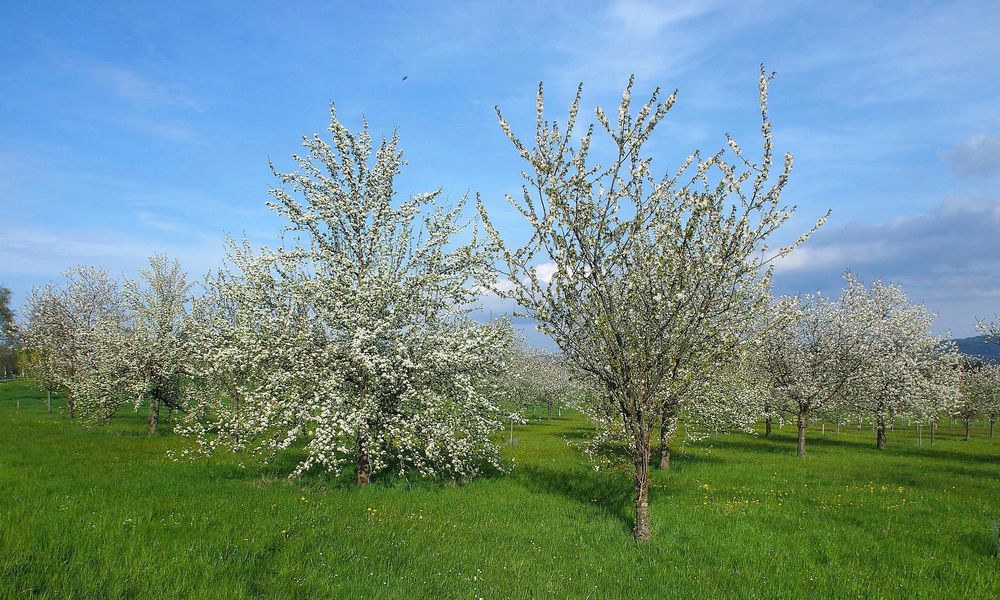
103, 513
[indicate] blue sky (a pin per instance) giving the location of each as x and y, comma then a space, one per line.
127, 130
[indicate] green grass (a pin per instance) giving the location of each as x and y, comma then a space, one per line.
103, 513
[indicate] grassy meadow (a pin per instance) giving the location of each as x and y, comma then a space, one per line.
103, 513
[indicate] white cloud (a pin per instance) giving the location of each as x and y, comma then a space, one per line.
976, 156
545, 271
946, 258
823, 257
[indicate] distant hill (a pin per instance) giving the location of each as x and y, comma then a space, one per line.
978, 346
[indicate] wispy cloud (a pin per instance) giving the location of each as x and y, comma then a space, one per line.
136, 87
145, 97
44, 253
645, 18
157, 222
632, 36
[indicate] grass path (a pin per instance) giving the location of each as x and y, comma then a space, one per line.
104, 514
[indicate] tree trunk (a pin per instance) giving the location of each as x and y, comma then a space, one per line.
880, 433
968, 429
666, 428
992, 427
800, 449
48, 400
933, 431
641, 457
364, 468
859, 423
154, 413
920, 434
664, 456
69, 406
767, 426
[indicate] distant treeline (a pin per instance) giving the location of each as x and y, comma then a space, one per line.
980, 347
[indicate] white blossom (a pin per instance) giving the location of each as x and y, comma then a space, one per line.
60, 325
653, 276
353, 340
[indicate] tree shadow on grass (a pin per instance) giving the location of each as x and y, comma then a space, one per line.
578, 434
982, 542
974, 472
278, 469
943, 454
786, 444
904, 447
779, 443
683, 458
610, 493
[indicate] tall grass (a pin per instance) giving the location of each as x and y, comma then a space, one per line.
103, 513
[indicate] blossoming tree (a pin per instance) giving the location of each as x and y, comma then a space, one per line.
141, 356
40, 351
539, 378
903, 365
60, 324
712, 396
991, 330
991, 396
812, 349
354, 338
645, 267
980, 395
